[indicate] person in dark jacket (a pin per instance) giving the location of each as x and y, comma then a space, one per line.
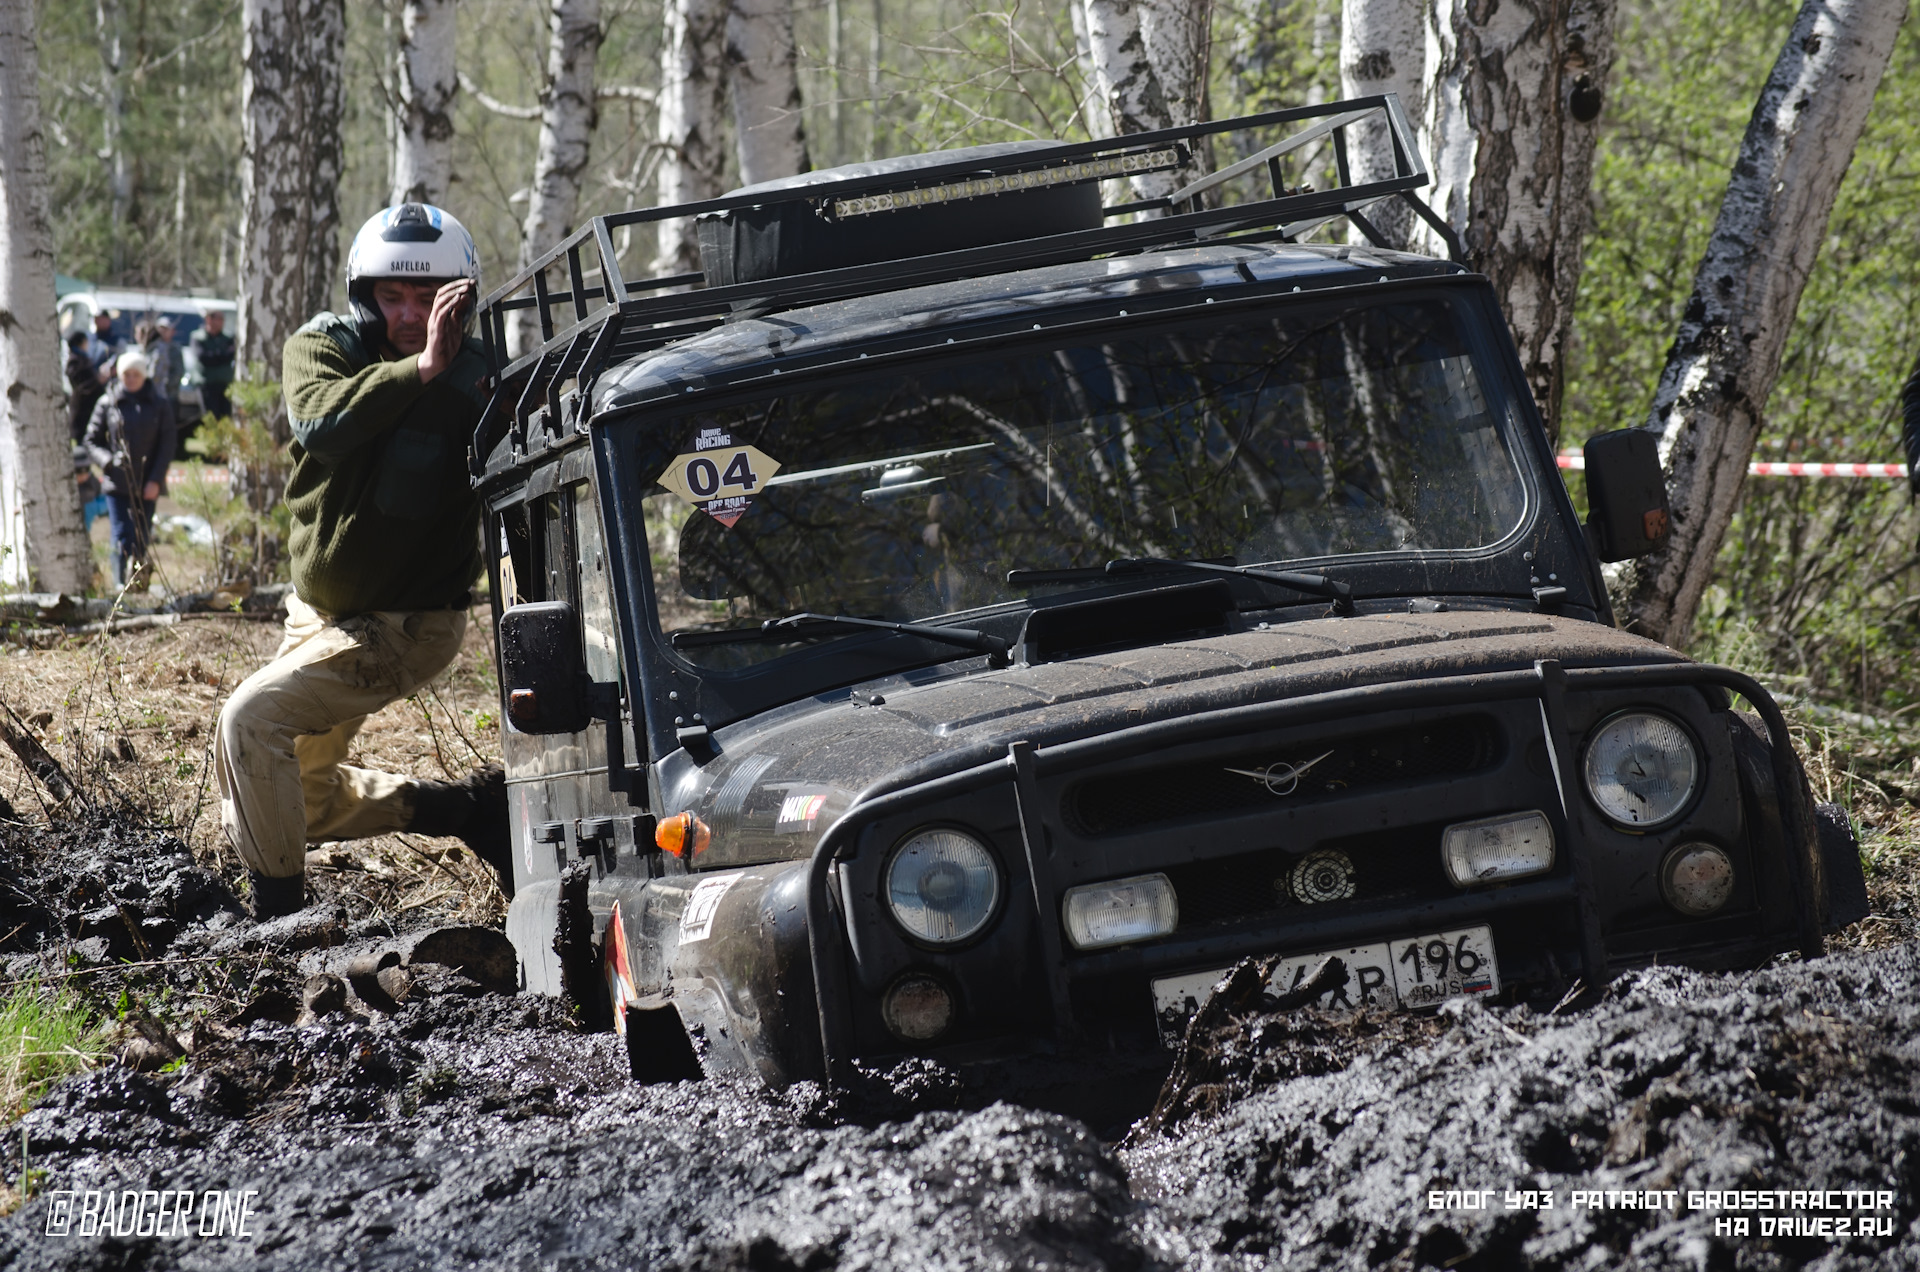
211, 350
83, 385
131, 437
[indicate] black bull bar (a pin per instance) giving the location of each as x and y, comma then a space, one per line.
1022, 764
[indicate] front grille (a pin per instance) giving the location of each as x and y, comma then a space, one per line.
1385, 865
1391, 757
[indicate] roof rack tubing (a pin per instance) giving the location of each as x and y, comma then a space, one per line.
1021, 161
1406, 145
666, 280
1340, 164
612, 283
546, 304
519, 281
578, 294
1200, 185
1052, 249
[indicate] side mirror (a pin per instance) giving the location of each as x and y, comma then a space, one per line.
540, 668
1626, 495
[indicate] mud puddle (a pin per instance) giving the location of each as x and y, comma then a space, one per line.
451, 1125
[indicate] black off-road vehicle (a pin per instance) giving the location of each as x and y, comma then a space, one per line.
964, 618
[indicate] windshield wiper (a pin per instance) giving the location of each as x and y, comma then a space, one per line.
1312, 584
802, 625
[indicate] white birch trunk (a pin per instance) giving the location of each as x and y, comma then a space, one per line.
1130, 85
42, 546
569, 109
1512, 100
113, 127
293, 99
1093, 104
1712, 397
1383, 49
692, 104
1178, 39
762, 72
424, 87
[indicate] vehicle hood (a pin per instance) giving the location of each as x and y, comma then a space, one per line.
787, 775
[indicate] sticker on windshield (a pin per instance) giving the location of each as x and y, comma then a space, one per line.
718, 477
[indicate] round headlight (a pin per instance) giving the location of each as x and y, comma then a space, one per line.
943, 886
1641, 769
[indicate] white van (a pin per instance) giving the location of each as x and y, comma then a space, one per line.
127, 308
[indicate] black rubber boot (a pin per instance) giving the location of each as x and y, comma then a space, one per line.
273, 898
474, 810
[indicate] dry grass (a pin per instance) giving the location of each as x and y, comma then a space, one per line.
1874, 773
130, 716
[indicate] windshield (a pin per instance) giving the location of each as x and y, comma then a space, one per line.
911, 494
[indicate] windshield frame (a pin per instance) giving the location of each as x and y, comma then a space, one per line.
682, 692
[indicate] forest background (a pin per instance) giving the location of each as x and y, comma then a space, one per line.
1819, 581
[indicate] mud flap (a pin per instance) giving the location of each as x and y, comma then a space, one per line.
1840, 854
658, 1049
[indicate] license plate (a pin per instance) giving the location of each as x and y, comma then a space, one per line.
1410, 971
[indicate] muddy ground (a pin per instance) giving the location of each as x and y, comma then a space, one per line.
418, 1118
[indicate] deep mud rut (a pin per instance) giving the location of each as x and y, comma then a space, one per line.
465, 1127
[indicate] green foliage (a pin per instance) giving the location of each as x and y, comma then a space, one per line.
250, 522
178, 130
44, 1036
1817, 579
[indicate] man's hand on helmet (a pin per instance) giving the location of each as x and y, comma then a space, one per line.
445, 328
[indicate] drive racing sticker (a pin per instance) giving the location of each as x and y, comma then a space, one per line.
696, 922
718, 477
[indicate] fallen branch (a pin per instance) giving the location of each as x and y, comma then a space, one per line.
27, 749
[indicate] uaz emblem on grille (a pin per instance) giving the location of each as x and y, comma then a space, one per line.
1280, 777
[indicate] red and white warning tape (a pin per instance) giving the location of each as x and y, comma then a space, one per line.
1895, 472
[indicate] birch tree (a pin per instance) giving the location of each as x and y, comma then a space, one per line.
41, 542
1383, 49
424, 86
293, 98
1710, 403
1178, 39
763, 75
1129, 82
1512, 95
109, 24
691, 107
569, 109
1130, 85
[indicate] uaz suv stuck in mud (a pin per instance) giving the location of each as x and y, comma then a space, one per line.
963, 619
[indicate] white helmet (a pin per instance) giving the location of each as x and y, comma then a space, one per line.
415, 241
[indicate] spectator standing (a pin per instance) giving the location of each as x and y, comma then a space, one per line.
102, 347
212, 350
169, 368
83, 385
131, 437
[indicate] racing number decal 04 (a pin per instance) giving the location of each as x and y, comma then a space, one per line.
718, 477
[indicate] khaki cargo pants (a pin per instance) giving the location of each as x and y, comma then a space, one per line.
286, 729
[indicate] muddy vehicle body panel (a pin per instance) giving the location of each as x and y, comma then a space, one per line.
1402, 737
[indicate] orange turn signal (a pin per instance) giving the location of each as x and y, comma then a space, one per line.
683, 835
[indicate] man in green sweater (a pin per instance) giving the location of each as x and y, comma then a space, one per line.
386, 546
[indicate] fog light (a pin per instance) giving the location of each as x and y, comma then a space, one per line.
917, 1008
1512, 846
1697, 879
1322, 876
1121, 910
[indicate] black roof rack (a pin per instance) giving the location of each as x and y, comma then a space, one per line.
598, 316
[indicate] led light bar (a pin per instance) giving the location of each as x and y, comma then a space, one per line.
1040, 178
